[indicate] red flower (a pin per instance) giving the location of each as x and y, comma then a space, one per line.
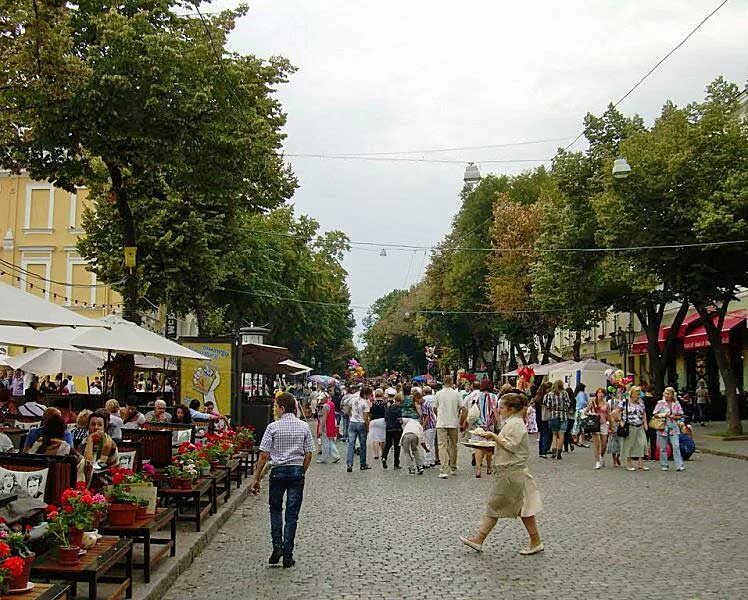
51, 508
87, 499
28, 528
68, 508
2, 520
14, 564
4, 550
52, 515
80, 486
117, 478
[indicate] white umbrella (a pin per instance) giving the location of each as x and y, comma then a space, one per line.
154, 363
21, 308
44, 361
122, 336
20, 335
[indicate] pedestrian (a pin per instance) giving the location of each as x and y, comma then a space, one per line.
328, 431
581, 400
634, 445
428, 420
358, 426
542, 416
413, 445
669, 414
557, 402
486, 407
599, 407
514, 492
649, 405
288, 445
345, 413
614, 442
377, 426
449, 415
408, 408
394, 431
570, 416
702, 399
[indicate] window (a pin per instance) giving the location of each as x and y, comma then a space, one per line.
77, 205
40, 208
35, 275
80, 282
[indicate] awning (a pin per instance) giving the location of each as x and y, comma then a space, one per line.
296, 368
640, 345
697, 338
265, 359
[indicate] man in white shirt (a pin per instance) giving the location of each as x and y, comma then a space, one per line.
358, 427
412, 441
448, 412
71, 385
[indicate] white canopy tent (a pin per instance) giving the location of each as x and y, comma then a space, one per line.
122, 337
44, 361
21, 308
300, 369
589, 371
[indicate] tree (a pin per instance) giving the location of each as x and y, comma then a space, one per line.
149, 111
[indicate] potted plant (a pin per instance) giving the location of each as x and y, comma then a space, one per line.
11, 568
59, 530
16, 540
81, 508
245, 438
181, 473
122, 506
142, 508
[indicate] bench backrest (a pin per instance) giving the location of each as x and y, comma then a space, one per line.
136, 448
62, 471
156, 444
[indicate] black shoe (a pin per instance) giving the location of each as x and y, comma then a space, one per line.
558, 455
420, 471
472, 460
543, 456
276, 555
288, 562
350, 469
384, 464
365, 467
398, 467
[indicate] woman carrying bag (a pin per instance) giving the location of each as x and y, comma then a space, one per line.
483, 413
634, 444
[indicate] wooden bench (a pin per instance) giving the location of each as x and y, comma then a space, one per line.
156, 445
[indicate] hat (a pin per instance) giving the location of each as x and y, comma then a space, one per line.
415, 389
390, 391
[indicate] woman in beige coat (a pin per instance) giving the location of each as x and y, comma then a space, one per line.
514, 492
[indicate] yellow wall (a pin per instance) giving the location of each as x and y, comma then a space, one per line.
39, 227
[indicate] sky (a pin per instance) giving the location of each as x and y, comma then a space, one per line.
410, 76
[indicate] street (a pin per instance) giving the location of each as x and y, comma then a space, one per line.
387, 534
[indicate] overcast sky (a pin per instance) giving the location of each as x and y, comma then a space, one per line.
398, 76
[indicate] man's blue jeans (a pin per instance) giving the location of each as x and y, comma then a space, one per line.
356, 430
287, 480
344, 424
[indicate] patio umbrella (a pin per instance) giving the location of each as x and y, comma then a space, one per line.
21, 335
123, 337
21, 308
153, 363
323, 380
44, 361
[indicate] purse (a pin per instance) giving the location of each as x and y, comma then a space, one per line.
473, 415
592, 424
657, 423
623, 429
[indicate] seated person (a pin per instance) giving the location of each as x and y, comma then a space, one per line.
32, 407
182, 414
6, 444
80, 431
37, 432
221, 422
202, 416
52, 442
100, 450
132, 418
115, 421
158, 414
8, 406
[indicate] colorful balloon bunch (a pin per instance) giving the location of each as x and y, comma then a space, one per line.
617, 380
355, 369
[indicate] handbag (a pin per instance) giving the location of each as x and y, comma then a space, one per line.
473, 415
657, 423
623, 428
592, 424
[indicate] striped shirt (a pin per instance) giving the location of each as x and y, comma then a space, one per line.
557, 404
287, 440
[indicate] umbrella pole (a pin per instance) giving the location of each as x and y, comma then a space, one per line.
106, 374
88, 384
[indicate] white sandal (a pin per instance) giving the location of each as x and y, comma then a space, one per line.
532, 549
473, 545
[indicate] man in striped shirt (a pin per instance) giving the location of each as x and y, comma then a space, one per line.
288, 444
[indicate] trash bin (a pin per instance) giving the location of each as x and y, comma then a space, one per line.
257, 412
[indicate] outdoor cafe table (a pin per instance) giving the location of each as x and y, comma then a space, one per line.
92, 568
201, 488
141, 531
233, 468
41, 591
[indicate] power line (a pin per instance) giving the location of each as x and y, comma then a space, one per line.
26, 272
657, 65
415, 160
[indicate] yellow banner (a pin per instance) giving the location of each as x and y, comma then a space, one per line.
207, 380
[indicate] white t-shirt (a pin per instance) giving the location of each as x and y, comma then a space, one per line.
414, 427
447, 404
468, 400
359, 407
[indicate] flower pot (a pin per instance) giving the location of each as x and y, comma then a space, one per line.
180, 483
76, 537
141, 512
122, 515
22, 581
68, 555
90, 538
205, 471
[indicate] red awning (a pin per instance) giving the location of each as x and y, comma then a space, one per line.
697, 338
640, 344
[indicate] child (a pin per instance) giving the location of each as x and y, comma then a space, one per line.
530, 422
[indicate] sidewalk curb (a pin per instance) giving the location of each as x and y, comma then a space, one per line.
170, 570
721, 453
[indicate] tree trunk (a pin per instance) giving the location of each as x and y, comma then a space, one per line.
512, 357
546, 342
125, 370
721, 355
576, 347
533, 352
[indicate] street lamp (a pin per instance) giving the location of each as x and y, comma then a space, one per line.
624, 341
621, 168
472, 174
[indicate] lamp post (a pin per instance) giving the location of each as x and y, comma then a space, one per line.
472, 175
624, 341
621, 168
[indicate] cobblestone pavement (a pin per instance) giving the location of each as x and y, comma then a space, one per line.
386, 534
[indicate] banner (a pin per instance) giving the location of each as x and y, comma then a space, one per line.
207, 380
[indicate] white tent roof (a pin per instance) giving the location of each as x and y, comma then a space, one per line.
590, 364
20, 335
21, 308
44, 361
296, 365
123, 336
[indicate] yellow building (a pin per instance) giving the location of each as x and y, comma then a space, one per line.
40, 225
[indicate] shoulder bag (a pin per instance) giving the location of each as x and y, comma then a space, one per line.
592, 423
623, 428
657, 423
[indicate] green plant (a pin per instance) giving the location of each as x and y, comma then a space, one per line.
121, 495
182, 469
